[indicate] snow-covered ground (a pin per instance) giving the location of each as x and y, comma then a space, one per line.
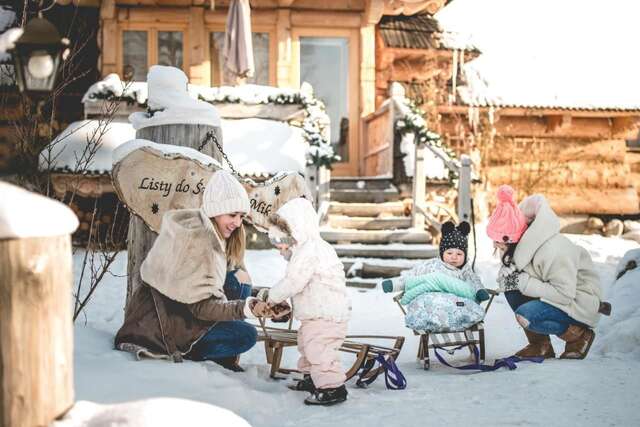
600, 390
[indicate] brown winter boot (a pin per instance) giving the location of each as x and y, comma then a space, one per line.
539, 346
578, 340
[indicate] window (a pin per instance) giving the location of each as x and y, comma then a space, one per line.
135, 59
260, 43
170, 48
324, 63
144, 47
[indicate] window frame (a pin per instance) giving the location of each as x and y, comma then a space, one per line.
271, 30
152, 42
342, 168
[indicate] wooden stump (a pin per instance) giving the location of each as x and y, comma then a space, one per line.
36, 337
141, 238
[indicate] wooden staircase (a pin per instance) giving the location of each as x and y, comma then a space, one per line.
370, 228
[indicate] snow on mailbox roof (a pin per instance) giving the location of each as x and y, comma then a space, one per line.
314, 121
21, 214
68, 152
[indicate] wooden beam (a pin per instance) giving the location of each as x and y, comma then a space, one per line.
524, 111
284, 60
199, 61
557, 122
108, 9
372, 12
367, 69
623, 126
303, 18
161, 15
258, 17
109, 47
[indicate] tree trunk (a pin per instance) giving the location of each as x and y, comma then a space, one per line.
141, 238
36, 336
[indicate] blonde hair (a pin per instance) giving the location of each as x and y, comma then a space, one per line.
235, 246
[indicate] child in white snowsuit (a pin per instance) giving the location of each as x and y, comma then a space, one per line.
448, 274
316, 283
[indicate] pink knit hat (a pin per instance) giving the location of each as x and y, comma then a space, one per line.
507, 223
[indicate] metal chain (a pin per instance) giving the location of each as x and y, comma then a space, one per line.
212, 136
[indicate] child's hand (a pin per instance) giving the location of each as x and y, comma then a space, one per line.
280, 311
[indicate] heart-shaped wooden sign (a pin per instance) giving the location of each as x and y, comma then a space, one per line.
151, 179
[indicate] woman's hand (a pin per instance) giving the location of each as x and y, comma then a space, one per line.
260, 308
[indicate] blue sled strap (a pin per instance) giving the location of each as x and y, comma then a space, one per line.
393, 378
507, 362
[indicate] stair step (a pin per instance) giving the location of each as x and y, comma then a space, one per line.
365, 196
375, 271
367, 209
376, 236
369, 223
362, 283
396, 251
360, 183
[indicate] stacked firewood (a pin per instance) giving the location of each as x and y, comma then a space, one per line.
576, 178
102, 223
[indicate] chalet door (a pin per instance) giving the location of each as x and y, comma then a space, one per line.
328, 60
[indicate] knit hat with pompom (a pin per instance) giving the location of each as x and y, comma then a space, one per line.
507, 223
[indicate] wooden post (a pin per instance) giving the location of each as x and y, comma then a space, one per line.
141, 238
318, 180
419, 190
36, 328
464, 189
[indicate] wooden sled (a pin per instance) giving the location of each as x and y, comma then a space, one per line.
360, 346
472, 336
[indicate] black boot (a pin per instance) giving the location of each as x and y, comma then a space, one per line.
230, 363
327, 396
305, 384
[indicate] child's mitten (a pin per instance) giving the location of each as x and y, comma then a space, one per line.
392, 285
482, 295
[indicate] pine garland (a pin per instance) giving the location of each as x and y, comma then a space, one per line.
314, 124
413, 123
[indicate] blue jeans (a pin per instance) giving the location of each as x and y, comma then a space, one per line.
230, 338
543, 318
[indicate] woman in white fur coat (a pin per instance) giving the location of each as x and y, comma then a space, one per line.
549, 282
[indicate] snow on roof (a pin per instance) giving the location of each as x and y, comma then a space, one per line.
256, 147
167, 149
516, 84
261, 146
421, 31
538, 54
21, 214
68, 152
111, 85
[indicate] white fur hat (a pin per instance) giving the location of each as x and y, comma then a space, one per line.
224, 195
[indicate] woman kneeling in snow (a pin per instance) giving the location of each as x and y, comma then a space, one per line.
195, 292
549, 282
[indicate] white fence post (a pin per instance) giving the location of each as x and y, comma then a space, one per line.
419, 190
464, 189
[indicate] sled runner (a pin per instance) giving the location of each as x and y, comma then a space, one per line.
362, 348
472, 336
